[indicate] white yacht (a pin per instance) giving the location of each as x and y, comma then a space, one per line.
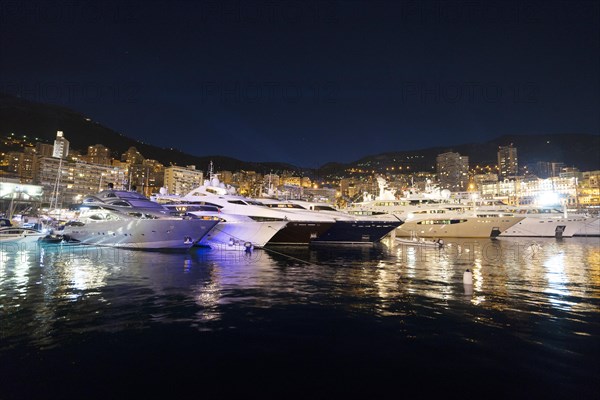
17, 234
540, 221
455, 222
234, 231
299, 229
126, 219
433, 214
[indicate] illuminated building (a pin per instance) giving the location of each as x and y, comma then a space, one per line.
61, 146
453, 171
181, 180
508, 164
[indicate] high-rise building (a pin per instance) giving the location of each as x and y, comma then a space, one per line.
508, 165
98, 154
557, 168
61, 146
77, 179
453, 171
181, 180
543, 169
132, 156
44, 149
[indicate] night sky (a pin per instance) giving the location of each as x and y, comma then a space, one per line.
309, 82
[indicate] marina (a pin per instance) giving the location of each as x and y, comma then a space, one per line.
319, 321
307, 199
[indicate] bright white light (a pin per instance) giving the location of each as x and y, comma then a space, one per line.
548, 198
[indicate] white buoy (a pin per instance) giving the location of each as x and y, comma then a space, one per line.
468, 277
468, 282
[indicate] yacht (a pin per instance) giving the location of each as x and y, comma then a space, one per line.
17, 234
540, 221
127, 219
434, 214
455, 222
348, 229
299, 229
234, 231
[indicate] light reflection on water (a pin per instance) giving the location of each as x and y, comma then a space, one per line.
48, 293
531, 313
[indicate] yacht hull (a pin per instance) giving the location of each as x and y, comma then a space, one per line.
255, 233
590, 228
471, 227
141, 234
300, 233
545, 227
357, 232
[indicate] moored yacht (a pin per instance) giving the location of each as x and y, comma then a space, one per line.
347, 229
433, 214
126, 219
299, 229
17, 234
539, 221
455, 222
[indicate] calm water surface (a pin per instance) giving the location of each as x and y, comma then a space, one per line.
345, 322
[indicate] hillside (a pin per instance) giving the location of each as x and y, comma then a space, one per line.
24, 117
578, 150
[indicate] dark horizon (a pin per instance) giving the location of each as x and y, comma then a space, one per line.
310, 82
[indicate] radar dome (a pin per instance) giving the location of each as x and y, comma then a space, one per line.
445, 194
162, 190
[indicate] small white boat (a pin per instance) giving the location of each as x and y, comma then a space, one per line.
17, 234
419, 241
232, 245
415, 240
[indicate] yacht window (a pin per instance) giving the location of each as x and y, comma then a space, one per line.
285, 205
324, 208
120, 203
255, 203
264, 219
240, 202
441, 221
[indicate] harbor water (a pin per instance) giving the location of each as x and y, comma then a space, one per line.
320, 322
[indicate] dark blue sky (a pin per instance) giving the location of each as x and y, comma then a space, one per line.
307, 82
